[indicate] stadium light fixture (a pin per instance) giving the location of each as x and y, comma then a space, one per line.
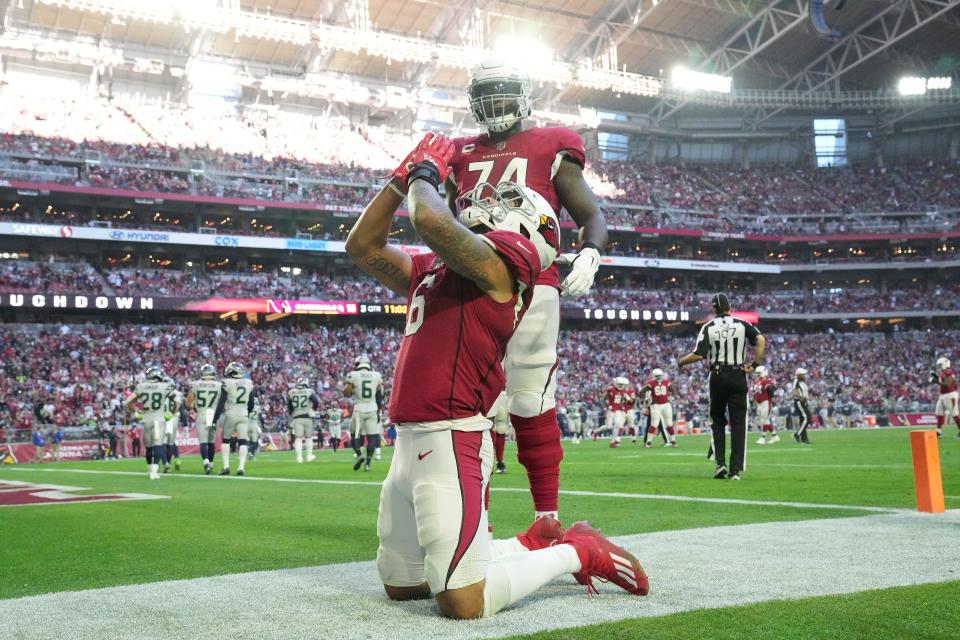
689, 80
915, 86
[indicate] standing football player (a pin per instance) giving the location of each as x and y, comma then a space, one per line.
947, 407
615, 417
302, 403
203, 398
334, 426
629, 406
465, 299
366, 388
549, 160
152, 396
764, 391
172, 426
660, 390
801, 403
575, 420
235, 405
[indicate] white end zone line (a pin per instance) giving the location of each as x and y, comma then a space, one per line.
689, 570
565, 492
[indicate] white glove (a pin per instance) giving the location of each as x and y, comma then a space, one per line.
583, 268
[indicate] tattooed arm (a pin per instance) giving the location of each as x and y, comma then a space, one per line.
367, 243
462, 250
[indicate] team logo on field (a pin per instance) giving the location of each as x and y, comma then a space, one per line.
20, 494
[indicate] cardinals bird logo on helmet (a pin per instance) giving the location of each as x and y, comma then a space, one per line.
512, 207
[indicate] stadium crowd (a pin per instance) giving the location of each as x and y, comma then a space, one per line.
84, 371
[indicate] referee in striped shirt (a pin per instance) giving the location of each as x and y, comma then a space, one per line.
723, 343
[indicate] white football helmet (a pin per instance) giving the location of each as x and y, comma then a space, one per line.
621, 382
362, 362
801, 372
233, 370
943, 362
500, 94
208, 372
761, 371
512, 207
658, 374
154, 374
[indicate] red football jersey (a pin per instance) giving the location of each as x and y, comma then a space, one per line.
614, 398
628, 399
530, 158
658, 390
948, 388
761, 389
449, 366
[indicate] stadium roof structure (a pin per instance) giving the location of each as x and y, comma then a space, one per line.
613, 55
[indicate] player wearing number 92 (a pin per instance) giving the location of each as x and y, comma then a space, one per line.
465, 300
549, 160
152, 396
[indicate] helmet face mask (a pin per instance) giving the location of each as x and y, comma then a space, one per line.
943, 363
500, 95
154, 374
303, 383
233, 370
658, 374
761, 371
512, 207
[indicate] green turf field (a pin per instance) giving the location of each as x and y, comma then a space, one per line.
213, 526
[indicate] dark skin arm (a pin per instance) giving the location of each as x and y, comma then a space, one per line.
578, 199
461, 249
367, 243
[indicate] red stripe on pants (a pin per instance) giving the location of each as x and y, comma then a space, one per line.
466, 450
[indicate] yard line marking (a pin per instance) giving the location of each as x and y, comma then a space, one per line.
567, 492
685, 569
779, 464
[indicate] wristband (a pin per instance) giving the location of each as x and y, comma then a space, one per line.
394, 188
589, 245
426, 171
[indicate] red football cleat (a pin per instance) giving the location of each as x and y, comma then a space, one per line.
605, 561
544, 532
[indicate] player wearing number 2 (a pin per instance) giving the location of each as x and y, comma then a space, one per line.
549, 160
366, 388
235, 405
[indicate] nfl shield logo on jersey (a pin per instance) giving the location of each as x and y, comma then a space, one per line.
501, 145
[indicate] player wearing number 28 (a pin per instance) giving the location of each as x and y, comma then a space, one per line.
465, 301
550, 161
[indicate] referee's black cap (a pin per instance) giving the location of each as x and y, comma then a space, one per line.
720, 302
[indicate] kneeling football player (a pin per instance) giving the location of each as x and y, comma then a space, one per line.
465, 299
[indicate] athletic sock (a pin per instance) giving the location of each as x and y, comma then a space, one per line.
540, 453
309, 443
243, 457
499, 548
225, 454
298, 447
499, 441
512, 577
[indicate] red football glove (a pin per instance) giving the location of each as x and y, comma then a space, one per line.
438, 150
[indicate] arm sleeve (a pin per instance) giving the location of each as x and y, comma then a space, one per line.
314, 401
289, 405
518, 254
570, 145
221, 403
253, 395
703, 344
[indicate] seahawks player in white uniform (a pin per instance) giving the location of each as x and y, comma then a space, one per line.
334, 420
236, 404
365, 386
173, 422
152, 396
302, 403
204, 396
